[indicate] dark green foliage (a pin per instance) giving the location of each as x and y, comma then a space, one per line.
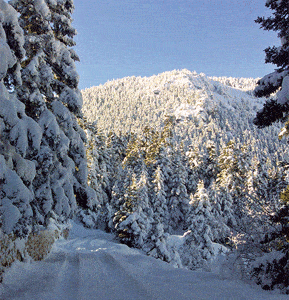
278, 22
278, 56
271, 112
282, 218
273, 273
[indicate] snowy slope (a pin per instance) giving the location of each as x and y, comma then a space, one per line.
90, 265
218, 109
125, 103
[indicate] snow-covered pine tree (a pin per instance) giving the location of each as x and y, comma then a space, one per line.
222, 214
132, 221
67, 106
227, 207
116, 148
211, 163
20, 136
264, 185
198, 248
163, 160
122, 181
178, 198
272, 273
159, 199
203, 164
270, 269
135, 155
194, 162
98, 214
50, 93
95, 163
144, 189
275, 110
233, 165
20, 139
160, 218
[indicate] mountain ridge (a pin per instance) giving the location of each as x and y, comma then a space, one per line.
162, 91
219, 107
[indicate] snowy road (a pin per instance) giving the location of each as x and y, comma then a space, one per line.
90, 265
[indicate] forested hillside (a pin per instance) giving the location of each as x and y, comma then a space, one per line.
203, 108
178, 154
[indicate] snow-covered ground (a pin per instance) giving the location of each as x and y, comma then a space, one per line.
91, 265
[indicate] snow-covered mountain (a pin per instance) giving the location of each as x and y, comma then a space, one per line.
126, 103
217, 108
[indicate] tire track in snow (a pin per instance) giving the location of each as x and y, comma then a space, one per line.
95, 267
122, 285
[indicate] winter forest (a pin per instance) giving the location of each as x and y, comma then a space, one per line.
183, 167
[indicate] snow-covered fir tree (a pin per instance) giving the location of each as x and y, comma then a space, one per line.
275, 110
43, 159
100, 211
159, 199
270, 270
178, 198
132, 221
234, 165
50, 93
20, 136
198, 247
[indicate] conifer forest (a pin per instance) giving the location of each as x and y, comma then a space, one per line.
181, 166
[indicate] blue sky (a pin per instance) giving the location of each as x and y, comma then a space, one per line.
118, 38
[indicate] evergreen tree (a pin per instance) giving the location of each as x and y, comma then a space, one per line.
272, 273
159, 200
234, 165
133, 220
223, 214
158, 235
198, 247
178, 198
227, 207
97, 160
20, 136
50, 93
116, 149
271, 270
121, 184
202, 164
264, 185
164, 162
275, 110
135, 156
159, 247
194, 161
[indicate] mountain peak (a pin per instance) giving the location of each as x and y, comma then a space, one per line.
124, 104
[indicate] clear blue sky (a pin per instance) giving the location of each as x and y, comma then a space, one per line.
118, 38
